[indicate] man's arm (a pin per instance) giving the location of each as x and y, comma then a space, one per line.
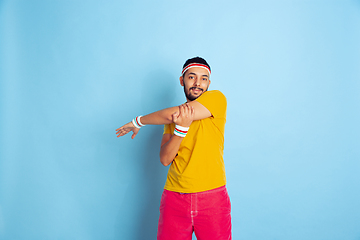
161, 117
201, 112
164, 116
170, 143
169, 147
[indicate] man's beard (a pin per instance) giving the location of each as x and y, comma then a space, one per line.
190, 96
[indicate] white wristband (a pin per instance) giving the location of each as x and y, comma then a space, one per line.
138, 120
180, 131
137, 123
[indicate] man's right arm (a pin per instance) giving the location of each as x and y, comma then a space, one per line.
170, 144
169, 147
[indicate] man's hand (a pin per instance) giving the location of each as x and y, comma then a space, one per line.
126, 129
185, 116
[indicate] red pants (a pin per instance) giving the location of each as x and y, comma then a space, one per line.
207, 213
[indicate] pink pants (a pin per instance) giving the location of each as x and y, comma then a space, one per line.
207, 213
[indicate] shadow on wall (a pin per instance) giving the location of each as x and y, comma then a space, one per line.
139, 211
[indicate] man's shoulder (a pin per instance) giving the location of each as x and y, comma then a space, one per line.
217, 94
214, 93
215, 101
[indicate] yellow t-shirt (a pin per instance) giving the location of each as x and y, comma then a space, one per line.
199, 164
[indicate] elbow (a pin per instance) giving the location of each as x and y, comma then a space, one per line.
165, 162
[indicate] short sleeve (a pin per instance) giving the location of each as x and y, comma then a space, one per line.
215, 102
167, 129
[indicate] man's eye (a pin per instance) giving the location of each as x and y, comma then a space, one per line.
205, 79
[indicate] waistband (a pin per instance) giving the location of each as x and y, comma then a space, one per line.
204, 192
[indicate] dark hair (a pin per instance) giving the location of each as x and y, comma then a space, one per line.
195, 60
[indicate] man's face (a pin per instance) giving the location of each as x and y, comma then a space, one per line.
196, 81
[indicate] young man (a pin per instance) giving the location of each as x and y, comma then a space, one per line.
195, 197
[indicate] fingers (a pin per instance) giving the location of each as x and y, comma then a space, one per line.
192, 112
181, 108
133, 135
121, 132
185, 109
175, 116
135, 131
185, 116
125, 129
183, 112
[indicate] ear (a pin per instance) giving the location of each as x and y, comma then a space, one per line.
181, 81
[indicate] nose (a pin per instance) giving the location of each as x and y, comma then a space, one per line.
197, 82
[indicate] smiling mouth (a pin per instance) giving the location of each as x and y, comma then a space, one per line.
196, 89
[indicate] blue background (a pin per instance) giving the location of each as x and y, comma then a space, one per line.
72, 72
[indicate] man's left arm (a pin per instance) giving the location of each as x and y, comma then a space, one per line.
165, 116
201, 112
162, 117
